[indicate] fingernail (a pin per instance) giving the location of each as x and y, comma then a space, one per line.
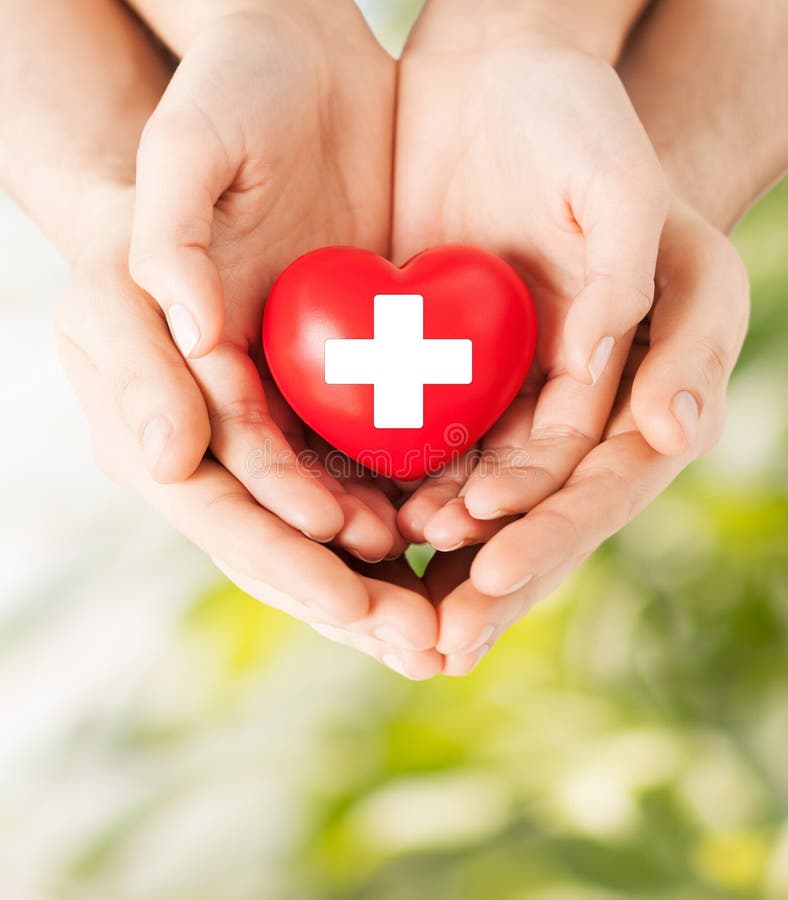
479, 511
481, 639
685, 409
370, 560
485, 514
451, 549
518, 585
600, 357
183, 328
317, 540
393, 662
388, 634
154, 440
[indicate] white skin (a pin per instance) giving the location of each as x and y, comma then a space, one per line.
268, 557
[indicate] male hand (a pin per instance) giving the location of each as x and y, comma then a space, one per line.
688, 346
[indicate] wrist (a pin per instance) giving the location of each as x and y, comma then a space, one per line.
694, 174
706, 79
596, 27
179, 23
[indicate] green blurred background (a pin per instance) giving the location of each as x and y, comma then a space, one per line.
629, 738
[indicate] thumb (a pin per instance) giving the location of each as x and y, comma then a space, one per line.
126, 343
697, 329
621, 218
181, 172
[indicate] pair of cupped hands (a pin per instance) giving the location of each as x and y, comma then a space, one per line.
279, 134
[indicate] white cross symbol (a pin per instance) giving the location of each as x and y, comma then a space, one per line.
398, 361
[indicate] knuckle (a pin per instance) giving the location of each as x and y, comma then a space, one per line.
141, 265
70, 332
713, 363
641, 190
163, 133
192, 231
145, 263
637, 181
633, 291
573, 538
552, 435
531, 472
153, 255
180, 136
148, 269
129, 386
620, 498
245, 413
643, 296
215, 503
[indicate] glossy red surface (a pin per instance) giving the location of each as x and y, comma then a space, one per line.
468, 294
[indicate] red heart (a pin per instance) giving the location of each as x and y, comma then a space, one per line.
461, 294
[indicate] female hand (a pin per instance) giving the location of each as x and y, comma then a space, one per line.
517, 141
273, 138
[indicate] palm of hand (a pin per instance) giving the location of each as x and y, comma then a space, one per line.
271, 115
491, 151
693, 336
275, 198
298, 173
